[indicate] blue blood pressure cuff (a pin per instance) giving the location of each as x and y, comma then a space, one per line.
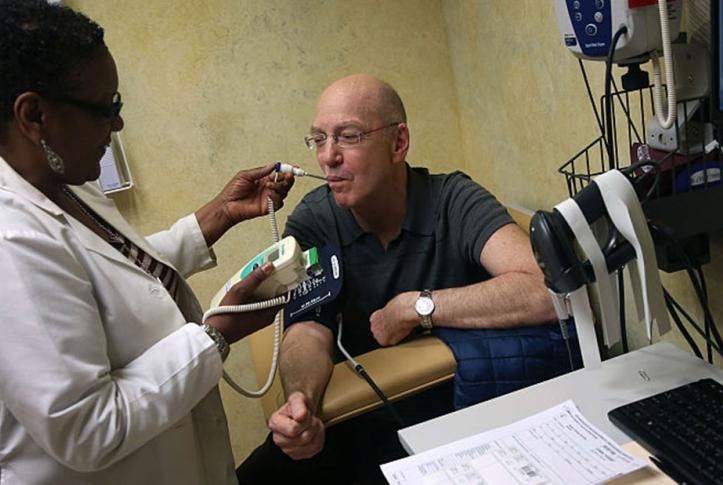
314, 298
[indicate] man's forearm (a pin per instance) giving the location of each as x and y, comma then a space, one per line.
509, 300
305, 362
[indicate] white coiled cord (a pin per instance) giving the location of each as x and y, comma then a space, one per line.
272, 217
252, 307
666, 121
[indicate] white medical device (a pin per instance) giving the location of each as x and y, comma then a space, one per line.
588, 26
291, 267
589, 29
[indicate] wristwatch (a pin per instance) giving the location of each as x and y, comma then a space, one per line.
223, 347
425, 307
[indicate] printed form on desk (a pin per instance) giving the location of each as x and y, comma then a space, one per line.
557, 446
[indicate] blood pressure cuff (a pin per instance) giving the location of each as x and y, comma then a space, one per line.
493, 362
323, 314
314, 298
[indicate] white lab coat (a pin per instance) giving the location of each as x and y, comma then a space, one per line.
103, 380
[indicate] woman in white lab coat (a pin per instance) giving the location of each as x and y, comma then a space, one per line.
105, 375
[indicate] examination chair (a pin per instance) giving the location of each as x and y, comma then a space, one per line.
419, 364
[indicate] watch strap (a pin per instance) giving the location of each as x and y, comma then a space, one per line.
426, 320
223, 347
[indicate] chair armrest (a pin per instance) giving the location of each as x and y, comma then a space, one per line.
418, 365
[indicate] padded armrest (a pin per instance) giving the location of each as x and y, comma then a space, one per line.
418, 365
399, 371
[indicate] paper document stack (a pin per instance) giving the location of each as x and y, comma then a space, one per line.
557, 446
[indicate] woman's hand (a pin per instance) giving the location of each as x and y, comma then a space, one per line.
244, 197
235, 326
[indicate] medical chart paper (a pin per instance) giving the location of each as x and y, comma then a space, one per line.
557, 446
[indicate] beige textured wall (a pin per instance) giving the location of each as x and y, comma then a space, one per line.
216, 86
524, 111
522, 103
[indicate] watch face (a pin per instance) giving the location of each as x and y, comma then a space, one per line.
424, 306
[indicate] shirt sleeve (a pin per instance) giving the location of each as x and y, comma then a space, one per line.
302, 224
55, 375
472, 213
184, 246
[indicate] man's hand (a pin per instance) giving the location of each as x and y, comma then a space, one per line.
391, 324
296, 430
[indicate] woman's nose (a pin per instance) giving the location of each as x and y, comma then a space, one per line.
117, 124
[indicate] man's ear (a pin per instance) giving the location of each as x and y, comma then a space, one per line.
30, 116
401, 143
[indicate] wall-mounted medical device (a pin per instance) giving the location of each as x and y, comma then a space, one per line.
626, 32
588, 27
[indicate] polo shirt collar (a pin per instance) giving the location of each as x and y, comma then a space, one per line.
421, 202
421, 209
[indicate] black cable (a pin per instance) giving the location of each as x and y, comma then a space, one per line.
631, 124
690, 319
609, 137
678, 323
703, 286
696, 287
592, 100
566, 338
608, 101
360, 370
357, 366
698, 291
694, 281
621, 300
693, 323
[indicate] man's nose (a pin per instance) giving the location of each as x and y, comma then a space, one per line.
329, 154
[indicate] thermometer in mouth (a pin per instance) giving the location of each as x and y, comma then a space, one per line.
286, 168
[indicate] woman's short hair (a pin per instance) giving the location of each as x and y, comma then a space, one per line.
41, 46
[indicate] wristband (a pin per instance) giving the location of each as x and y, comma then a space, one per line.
223, 347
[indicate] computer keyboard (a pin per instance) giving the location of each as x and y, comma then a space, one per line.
682, 428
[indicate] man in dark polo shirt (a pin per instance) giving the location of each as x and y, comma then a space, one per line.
419, 251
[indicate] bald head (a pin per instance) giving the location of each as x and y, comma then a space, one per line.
370, 97
365, 162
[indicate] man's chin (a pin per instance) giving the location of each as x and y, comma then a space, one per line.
342, 200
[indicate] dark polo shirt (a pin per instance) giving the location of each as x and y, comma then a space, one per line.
448, 221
